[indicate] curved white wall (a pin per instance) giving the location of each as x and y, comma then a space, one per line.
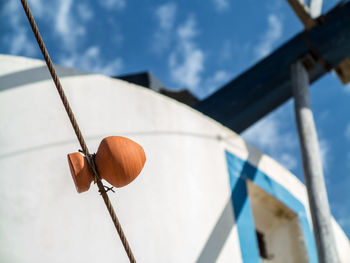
167, 213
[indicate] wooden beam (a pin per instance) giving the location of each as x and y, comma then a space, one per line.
343, 71
313, 174
267, 85
303, 12
315, 8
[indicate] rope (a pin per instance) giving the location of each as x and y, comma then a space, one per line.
77, 130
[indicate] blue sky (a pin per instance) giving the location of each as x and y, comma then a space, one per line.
199, 45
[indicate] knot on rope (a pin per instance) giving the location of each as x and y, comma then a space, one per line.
91, 160
92, 163
107, 189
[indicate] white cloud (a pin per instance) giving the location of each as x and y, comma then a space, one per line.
113, 4
324, 153
68, 21
186, 61
85, 12
22, 45
66, 24
341, 213
272, 35
226, 51
188, 30
36, 7
220, 76
63, 19
347, 87
347, 131
221, 5
344, 222
215, 81
165, 15
18, 40
91, 61
288, 161
267, 135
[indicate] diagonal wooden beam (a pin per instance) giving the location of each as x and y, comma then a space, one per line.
315, 8
267, 85
303, 12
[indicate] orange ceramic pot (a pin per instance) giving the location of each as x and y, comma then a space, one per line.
119, 161
80, 170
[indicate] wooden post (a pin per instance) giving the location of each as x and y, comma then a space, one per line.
315, 8
313, 174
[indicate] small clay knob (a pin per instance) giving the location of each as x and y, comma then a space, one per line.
80, 170
119, 160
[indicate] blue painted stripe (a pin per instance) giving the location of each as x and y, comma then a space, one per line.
239, 171
244, 221
308, 236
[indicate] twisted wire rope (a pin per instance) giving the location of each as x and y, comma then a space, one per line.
77, 131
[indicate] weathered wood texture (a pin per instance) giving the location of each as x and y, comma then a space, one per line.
343, 71
315, 8
303, 12
320, 212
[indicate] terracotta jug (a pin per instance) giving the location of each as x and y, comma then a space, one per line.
119, 161
81, 171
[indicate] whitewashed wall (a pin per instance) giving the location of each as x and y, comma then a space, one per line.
167, 213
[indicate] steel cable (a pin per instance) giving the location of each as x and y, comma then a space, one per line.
77, 129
